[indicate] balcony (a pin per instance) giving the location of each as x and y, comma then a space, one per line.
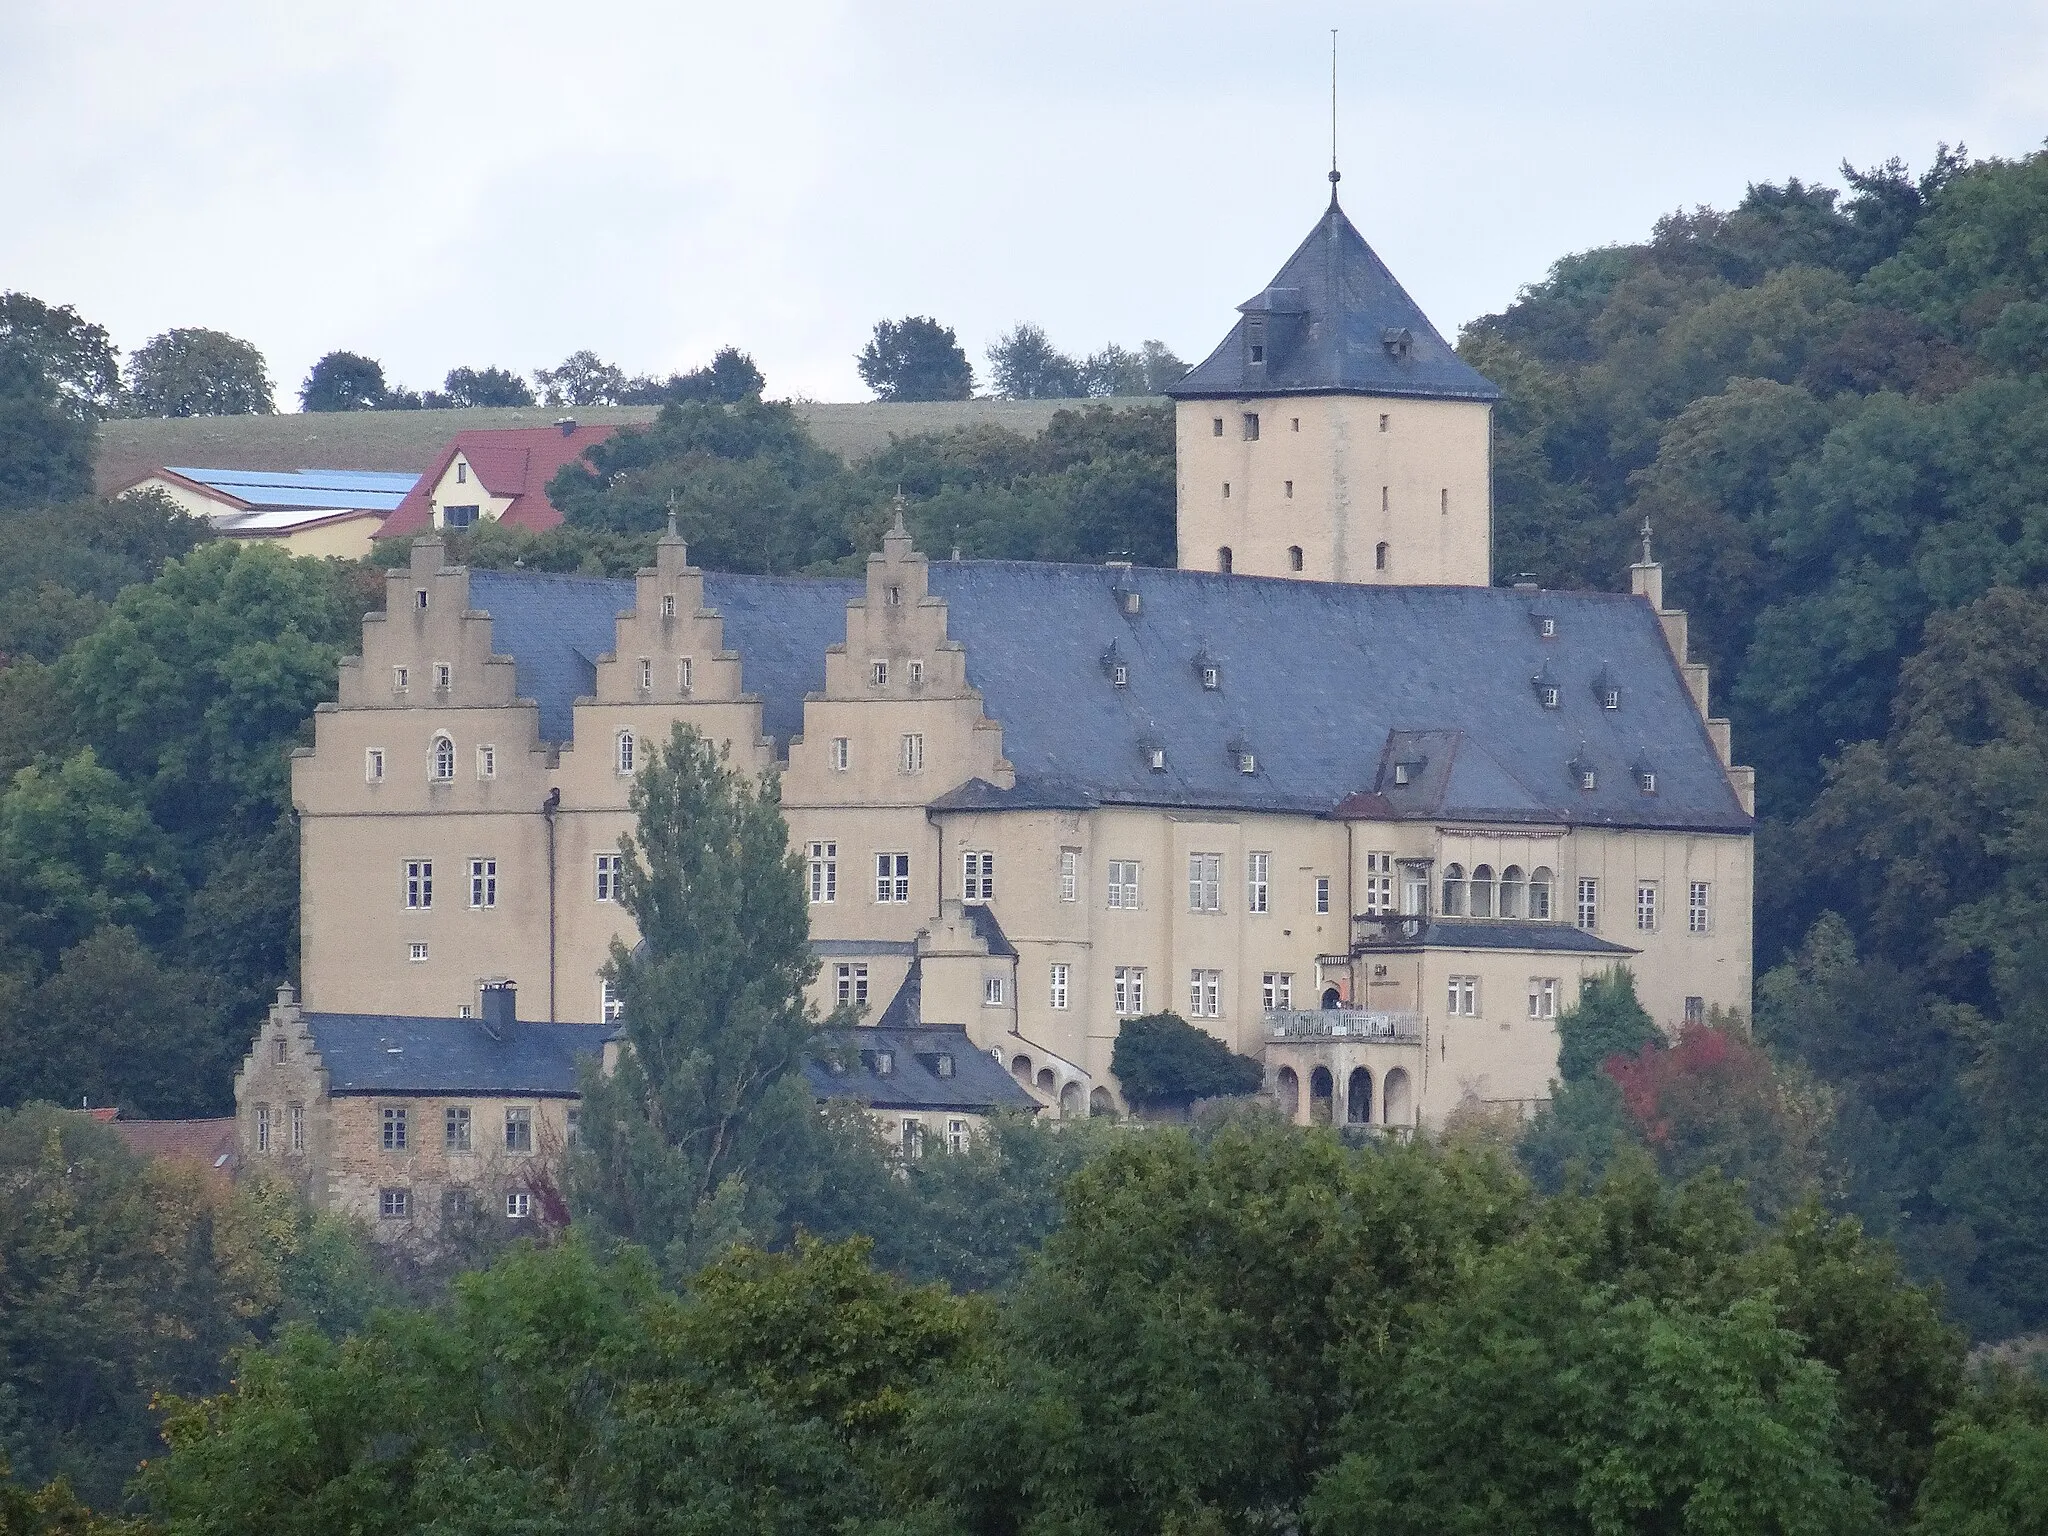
1343, 1024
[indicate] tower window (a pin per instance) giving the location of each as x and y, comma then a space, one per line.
1226, 490
1293, 556
1383, 422
419, 599
1386, 499
1379, 557
1216, 426
1287, 489
1251, 426
1223, 559
1258, 353
1294, 424
668, 605
1444, 499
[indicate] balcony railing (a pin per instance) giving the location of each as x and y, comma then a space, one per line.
1342, 1024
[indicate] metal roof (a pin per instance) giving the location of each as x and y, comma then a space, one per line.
1326, 685
332, 490
401, 1053
977, 1084
1334, 320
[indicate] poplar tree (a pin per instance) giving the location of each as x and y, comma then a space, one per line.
699, 1134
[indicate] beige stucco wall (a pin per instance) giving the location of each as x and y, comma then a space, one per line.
459, 486
192, 499
1423, 487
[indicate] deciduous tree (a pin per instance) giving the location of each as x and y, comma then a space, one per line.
197, 372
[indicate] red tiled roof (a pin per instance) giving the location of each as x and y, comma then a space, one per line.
209, 1143
517, 463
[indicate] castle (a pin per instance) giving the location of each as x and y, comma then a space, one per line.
1323, 790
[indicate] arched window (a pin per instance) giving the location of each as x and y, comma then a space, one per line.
1070, 1099
1454, 890
1223, 559
1539, 893
1398, 1110
1482, 890
1358, 1101
1294, 557
1322, 1094
1511, 887
444, 758
1020, 1069
1288, 1086
625, 763
1050, 1083
1379, 558
1100, 1103
1332, 998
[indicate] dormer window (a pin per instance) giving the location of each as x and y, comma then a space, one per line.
1247, 762
1546, 625
1548, 694
945, 1063
1646, 780
878, 674
1400, 773
1588, 779
1157, 757
1255, 340
1258, 352
1399, 342
885, 1063
1130, 602
1212, 678
1119, 675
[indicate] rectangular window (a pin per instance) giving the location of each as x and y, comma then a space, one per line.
444, 674
1288, 489
1464, 997
1695, 1010
842, 753
1699, 912
956, 1135
1058, 986
262, 1127
1205, 994
824, 870
394, 1129
1322, 893
608, 866
419, 883
1414, 890
991, 991
686, 676
1251, 426
851, 982
1277, 991
298, 1122
1646, 907
978, 877
572, 1127
417, 950
394, 1204
1070, 874
1123, 884
1130, 989
916, 673
483, 883
373, 765
518, 1130
913, 1139
913, 752
1589, 904
610, 1006
1216, 426
1379, 883
400, 679
487, 762
878, 674
668, 605
455, 1129
892, 877
1257, 883
1205, 882
1383, 423
518, 1205
1542, 997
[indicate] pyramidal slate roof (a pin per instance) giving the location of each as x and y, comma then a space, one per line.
1333, 321
1371, 701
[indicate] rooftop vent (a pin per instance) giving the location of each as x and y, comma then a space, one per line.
1399, 342
567, 425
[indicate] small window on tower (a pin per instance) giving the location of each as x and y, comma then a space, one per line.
1444, 499
1216, 427
1287, 489
419, 599
1379, 557
1294, 424
1223, 559
668, 605
1251, 426
1294, 557
1226, 490
1383, 422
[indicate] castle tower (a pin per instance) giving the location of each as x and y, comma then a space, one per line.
1334, 435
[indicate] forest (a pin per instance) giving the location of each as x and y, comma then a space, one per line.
1829, 407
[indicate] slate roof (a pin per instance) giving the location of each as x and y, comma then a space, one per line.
514, 462
978, 1083
1547, 938
400, 1053
1328, 686
1336, 321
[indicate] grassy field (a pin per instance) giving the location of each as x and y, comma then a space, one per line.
408, 440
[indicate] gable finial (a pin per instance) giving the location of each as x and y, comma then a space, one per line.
899, 503
1335, 174
1645, 531
672, 516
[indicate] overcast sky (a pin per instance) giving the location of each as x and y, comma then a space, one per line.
443, 184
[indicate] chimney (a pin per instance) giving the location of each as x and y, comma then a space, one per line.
568, 426
499, 1009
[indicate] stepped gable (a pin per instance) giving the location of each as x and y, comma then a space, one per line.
1325, 685
1333, 320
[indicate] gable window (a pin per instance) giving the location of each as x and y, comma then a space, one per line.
1205, 994
850, 984
1123, 884
1257, 888
518, 1204
1056, 987
913, 752
1226, 490
646, 674
1386, 498
878, 674
1277, 991
625, 749
1294, 423
1443, 504
1205, 882
461, 473
1482, 890
824, 873
892, 877
1454, 890
668, 605
1512, 886
262, 1127
1322, 893
610, 1006
991, 991
455, 1128
284, 1047
842, 753
1251, 427
1293, 550
1129, 984
487, 762
1542, 997
1539, 893
978, 877
1695, 1010
1646, 906
686, 676
1379, 884
461, 517
393, 1120
1287, 490
1589, 904
1698, 908
1070, 874
419, 883
373, 765
1464, 997
419, 599
298, 1125
444, 760
483, 883
394, 1204
892, 596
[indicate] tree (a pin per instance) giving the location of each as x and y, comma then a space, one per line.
1026, 366
581, 378
730, 378
196, 372
686, 1143
344, 381
915, 358
74, 356
465, 387
1605, 1021
45, 448
1162, 1061
1116, 370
